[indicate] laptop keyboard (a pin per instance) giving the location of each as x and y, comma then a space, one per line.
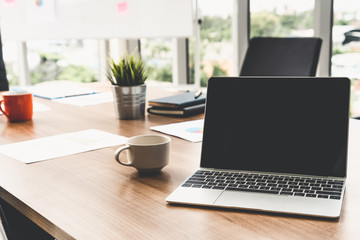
266, 183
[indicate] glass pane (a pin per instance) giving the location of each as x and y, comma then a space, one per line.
215, 36
10, 54
281, 18
158, 55
346, 47
73, 60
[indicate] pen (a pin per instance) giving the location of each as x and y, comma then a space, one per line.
197, 93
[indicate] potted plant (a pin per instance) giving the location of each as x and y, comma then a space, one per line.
127, 79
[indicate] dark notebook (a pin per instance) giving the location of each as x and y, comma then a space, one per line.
179, 101
178, 112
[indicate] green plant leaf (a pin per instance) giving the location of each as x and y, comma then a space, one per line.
129, 71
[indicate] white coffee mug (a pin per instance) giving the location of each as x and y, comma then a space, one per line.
146, 153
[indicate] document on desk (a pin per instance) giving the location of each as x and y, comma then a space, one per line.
87, 100
189, 130
61, 145
57, 90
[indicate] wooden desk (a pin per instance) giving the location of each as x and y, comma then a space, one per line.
91, 196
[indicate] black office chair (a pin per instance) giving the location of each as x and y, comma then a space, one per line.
269, 56
4, 85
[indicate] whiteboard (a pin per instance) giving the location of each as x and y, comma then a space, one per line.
77, 19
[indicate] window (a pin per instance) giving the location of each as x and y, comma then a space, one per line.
215, 36
346, 46
74, 60
158, 54
281, 18
10, 54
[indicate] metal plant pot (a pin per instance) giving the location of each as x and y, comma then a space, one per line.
129, 101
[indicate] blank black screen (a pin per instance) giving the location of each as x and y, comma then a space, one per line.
284, 125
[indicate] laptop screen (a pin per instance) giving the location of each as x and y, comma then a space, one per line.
283, 125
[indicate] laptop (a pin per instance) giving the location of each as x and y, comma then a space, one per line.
274, 144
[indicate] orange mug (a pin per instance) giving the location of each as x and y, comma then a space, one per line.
18, 106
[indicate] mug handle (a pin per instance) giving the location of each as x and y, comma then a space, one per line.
1, 103
117, 153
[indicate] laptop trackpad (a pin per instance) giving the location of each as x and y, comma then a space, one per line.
194, 195
268, 202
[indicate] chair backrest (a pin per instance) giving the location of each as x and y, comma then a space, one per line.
4, 85
268, 56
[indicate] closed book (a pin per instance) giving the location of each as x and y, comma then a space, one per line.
179, 101
178, 112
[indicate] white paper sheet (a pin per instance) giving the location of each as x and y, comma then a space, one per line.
39, 107
61, 145
54, 90
189, 130
87, 100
